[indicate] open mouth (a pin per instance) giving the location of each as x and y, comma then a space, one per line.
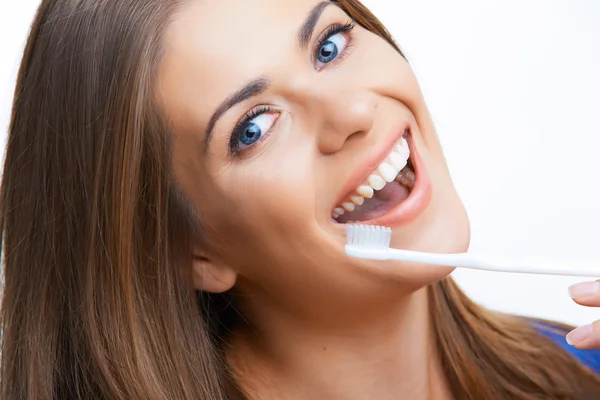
390, 184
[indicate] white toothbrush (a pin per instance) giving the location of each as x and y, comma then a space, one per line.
373, 243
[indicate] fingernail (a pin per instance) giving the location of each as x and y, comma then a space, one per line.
580, 334
583, 290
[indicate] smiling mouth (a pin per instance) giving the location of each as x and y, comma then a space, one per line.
389, 185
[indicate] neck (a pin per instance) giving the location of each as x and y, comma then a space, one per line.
389, 355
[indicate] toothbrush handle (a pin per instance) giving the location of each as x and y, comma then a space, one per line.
469, 261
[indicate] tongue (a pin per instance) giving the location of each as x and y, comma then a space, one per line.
383, 201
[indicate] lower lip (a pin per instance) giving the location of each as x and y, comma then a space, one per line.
417, 201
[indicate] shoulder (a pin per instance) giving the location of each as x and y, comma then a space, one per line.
557, 333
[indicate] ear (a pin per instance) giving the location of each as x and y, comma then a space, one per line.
212, 276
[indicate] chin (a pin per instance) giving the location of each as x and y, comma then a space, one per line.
443, 228
446, 231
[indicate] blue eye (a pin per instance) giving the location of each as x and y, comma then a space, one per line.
251, 134
331, 48
333, 44
328, 52
252, 129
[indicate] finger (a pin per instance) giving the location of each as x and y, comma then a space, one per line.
586, 293
585, 337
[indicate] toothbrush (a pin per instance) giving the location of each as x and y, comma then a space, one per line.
373, 243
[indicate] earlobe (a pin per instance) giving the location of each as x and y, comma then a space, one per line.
212, 277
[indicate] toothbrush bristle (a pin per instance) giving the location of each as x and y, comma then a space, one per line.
375, 237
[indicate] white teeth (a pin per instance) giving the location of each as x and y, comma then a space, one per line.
403, 151
397, 160
388, 172
365, 191
376, 182
358, 200
349, 206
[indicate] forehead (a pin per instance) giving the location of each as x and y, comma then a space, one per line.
216, 46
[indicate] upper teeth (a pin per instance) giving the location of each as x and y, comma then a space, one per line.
365, 191
386, 172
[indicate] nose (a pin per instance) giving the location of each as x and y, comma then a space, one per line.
334, 111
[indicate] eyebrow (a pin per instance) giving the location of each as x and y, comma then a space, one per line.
260, 85
307, 29
251, 89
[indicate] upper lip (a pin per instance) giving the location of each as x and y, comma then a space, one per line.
370, 164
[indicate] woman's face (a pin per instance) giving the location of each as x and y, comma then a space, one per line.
282, 112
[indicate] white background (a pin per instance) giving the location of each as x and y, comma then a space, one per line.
514, 89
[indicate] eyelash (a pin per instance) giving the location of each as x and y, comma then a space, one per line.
332, 31
238, 130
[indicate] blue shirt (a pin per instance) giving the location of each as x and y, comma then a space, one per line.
589, 358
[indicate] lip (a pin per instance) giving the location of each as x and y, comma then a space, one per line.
365, 169
415, 203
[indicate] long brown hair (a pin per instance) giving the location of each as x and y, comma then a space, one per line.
96, 237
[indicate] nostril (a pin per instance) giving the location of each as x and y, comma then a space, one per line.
332, 142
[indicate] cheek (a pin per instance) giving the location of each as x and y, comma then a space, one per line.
269, 201
387, 73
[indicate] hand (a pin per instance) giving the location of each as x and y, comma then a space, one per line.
587, 336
